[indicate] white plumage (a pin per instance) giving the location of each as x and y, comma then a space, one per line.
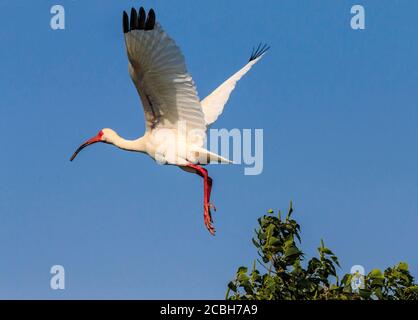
176, 120
213, 105
158, 70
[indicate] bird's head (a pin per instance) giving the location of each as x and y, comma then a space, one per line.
104, 135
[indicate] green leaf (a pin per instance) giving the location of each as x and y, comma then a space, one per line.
290, 209
375, 273
243, 278
364, 293
403, 266
414, 289
273, 241
242, 270
327, 251
289, 241
232, 286
335, 259
378, 293
271, 228
293, 250
255, 243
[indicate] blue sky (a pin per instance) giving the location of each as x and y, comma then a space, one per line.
338, 107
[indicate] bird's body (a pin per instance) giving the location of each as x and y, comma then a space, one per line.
176, 120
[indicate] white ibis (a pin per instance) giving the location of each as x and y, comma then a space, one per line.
169, 98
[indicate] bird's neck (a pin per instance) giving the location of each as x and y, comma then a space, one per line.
137, 145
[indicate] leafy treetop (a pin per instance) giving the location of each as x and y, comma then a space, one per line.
288, 276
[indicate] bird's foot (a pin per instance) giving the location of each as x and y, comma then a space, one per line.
207, 217
212, 206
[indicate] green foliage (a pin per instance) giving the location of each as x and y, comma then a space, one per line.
287, 275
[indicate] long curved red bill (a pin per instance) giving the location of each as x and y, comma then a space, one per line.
91, 141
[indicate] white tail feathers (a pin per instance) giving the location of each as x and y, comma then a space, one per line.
205, 156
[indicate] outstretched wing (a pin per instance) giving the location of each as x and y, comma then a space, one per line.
158, 70
213, 104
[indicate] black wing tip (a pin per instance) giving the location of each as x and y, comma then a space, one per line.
150, 23
134, 19
259, 51
125, 20
138, 20
141, 18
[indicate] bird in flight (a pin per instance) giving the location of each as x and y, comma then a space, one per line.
176, 120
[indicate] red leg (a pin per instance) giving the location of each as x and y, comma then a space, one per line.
207, 188
211, 205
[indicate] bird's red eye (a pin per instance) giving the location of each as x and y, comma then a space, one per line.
100, 133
